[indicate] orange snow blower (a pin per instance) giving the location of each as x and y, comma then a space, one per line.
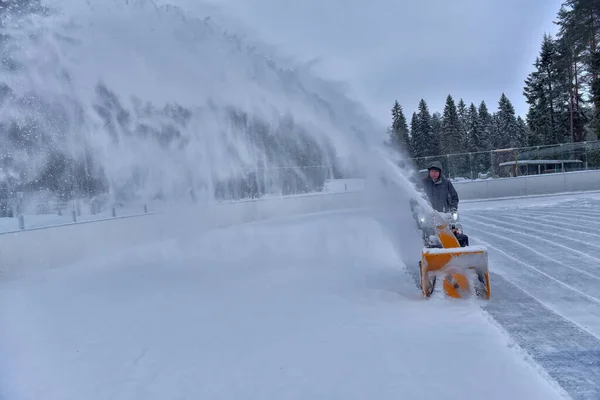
447, 254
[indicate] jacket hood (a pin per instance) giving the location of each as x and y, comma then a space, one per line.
435, 164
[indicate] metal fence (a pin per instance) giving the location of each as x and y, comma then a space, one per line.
502, 163
38, 209
35, 214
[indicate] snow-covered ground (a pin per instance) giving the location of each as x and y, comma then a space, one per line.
544, 254
318, 306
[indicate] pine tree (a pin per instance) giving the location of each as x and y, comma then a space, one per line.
436, 131
478, 160
399, 137
569, 89
563, 91
473, 142
535, 133
485, 123
463, 117
429, 145
522, 132
579, 29
507, 124
452, 140
418, 144
451, 135
545, 92
497, 140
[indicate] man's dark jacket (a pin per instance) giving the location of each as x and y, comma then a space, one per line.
441, 193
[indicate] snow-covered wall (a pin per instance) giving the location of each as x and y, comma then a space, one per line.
578, 181
62, 245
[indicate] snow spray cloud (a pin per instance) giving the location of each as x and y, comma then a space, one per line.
140, 100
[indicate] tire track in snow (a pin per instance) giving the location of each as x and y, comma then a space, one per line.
544, 288
588, 214
579, 234
569, 354
537, 235
565, 215
575, 210
550, 228
572, 222
568, 277
548, 308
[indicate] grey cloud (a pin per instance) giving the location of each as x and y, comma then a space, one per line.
406, 50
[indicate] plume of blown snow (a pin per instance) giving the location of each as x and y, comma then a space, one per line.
144, 99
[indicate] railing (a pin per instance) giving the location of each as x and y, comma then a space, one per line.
26, 211
503, 163
46, 214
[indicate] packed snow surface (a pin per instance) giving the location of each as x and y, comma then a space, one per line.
298, 308
544, 256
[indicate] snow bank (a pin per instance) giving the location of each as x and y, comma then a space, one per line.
56, 246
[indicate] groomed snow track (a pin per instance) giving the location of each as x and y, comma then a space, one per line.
545, 263
315, 306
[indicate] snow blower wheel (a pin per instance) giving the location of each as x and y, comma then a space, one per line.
455, 285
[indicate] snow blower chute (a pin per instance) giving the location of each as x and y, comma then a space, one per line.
447, 254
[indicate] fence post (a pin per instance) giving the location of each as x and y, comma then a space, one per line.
21, 222
19, 203
145, 209
114, 212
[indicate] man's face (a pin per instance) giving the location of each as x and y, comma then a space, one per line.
434, 174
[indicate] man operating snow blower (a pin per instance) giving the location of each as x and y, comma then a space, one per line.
446, 249
443, 197
439, 189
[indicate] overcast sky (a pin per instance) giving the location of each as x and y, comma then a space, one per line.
408, 50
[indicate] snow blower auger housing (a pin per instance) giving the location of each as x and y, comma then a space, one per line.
449, 256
